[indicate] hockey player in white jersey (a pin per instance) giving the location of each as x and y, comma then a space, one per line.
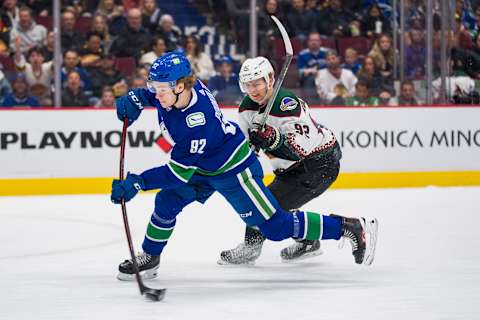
305, 156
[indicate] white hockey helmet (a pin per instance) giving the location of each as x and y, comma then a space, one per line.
253, 69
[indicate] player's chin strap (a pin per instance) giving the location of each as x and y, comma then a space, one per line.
177, 95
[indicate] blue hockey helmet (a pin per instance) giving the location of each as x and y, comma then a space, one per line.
169, 68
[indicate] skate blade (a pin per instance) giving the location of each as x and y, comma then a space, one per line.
305, 256
145, 275
244, 264
371, 228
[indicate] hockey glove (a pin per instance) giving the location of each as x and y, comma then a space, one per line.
126, 189
131, 105
267, 139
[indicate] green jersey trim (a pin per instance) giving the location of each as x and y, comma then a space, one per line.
185, 173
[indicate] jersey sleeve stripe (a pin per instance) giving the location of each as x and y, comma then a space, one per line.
241, 153
182, 165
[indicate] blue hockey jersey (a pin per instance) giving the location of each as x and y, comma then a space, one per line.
205, 143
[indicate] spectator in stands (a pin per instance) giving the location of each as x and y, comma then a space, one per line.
158, 49
477, 17
170, 32
311, 59
138, 82
28, 31
107, 98
384, 5
6, 25
458, 83
99, 25
72, 94
142, 71
134, 40
471, 58
19, 97
92, 53
109, 9
362, 97
267, 30
336, 21
5, 87
71, 38
239, 13
224, 86
416, 54
106, 75
151, 14
202, 65
407, 97
380, 86
39, 74
375, 23
49, 47
42, 8
341, 95
300, 21
383, 54
351, 61
113, 13
11, 10
333, 74
90, 7
130, 4
71, 62
77, 7
312, 5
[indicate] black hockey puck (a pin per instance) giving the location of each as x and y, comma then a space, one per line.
155, 294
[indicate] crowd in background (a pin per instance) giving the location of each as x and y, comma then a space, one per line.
345, 53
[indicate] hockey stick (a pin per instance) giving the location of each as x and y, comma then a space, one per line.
283, 72
152, 294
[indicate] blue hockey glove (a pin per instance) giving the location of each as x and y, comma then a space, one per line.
126, 189
267, 139
131, 105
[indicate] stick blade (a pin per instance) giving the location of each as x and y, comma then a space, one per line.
154, 294
285, 37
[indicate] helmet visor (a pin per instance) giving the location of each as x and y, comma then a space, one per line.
160, 87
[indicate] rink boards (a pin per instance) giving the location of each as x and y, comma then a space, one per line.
53, 151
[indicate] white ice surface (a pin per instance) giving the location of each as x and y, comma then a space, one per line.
59, 255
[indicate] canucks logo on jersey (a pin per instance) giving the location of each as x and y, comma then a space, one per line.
195, 119
288, 104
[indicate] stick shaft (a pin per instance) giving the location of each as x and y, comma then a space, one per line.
141, 286
283, 71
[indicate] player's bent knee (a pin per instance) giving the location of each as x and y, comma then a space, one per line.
279, 227
164, 209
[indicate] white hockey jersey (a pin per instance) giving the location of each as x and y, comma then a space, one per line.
291, 116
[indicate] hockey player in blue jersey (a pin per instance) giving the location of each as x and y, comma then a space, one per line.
212, 154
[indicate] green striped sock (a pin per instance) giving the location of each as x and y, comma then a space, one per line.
313, 226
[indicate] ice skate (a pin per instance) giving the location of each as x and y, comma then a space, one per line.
242, 254
147, 265
362, 235
301, 250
